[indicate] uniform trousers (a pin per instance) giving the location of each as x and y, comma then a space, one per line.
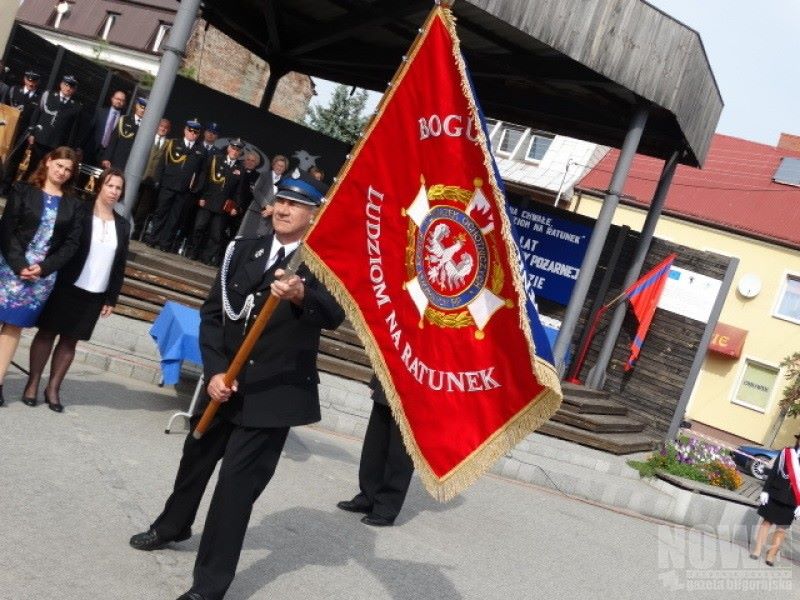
169, 209
249, 458
207, 235
385, 471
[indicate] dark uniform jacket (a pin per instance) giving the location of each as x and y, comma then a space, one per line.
21, 219
58, 120
180, 165
121, 142
278, 386
778, 487
17, 98
69, 273
219, 183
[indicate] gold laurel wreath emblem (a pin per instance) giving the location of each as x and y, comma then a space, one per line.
440, 194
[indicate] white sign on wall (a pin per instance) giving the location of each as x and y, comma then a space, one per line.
689, 294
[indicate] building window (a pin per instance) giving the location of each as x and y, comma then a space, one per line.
111, 18
788, 306
161, 36
509, 138
756, 385
540, 142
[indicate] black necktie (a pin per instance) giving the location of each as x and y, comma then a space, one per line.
280, 256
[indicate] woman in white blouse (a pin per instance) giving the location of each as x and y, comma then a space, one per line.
86, 288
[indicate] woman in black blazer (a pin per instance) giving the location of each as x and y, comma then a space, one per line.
39, 233
86, 288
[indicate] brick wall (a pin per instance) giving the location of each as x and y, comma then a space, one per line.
222, 64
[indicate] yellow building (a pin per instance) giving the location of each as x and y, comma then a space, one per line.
745, 203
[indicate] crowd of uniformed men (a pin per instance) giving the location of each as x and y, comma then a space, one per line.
195, 192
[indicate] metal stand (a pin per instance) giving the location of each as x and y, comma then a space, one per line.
192, 405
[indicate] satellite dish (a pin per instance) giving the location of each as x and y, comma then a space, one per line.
62, 7
749, 285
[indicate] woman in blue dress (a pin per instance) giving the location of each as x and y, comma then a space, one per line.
39, 232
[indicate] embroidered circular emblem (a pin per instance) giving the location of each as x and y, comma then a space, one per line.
451, 258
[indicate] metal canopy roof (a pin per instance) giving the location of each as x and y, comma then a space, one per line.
573, 67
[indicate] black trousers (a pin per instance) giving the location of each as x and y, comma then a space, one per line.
207, 235
168, 212
386, 468
249, 458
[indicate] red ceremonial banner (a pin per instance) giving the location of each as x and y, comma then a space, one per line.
416, 245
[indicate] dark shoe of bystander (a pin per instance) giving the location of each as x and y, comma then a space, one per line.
358, 504
150, 540
377, 521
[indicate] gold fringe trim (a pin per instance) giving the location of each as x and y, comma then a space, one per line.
540, 408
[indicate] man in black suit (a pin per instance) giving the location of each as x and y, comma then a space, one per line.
386, 468
55, 121
276, 390
103, 125
219, 184
25, 98
121, 141
175, 176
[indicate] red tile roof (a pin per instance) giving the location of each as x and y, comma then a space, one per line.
734, 190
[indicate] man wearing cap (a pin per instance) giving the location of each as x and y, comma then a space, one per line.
276, 390
103, 125
218, 197
210, 136
25, 98
175, 175
121, 140
55, 121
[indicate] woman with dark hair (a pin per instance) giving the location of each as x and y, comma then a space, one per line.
779, 502
86, 288
39, 233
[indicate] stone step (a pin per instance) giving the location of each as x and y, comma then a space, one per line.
156, 295
598, 422
581, 391
593, 405
616, 443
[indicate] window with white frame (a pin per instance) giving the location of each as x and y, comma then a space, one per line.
788, 306
755, 386
509, 138
160, 37
540, 142
111, 18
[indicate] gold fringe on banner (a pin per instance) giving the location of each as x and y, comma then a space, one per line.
540, 408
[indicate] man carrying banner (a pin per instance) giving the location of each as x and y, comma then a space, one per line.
276, 390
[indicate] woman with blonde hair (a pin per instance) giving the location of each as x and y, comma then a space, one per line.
86, 288
39, 233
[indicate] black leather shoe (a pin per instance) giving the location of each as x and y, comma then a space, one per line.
191, 596
2, 400
377, 521
150, 540
28, 401
355, 505
54, 406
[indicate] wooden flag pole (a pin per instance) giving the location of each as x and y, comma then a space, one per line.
247, 345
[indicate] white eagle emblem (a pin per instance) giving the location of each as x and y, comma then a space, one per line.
443, 267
